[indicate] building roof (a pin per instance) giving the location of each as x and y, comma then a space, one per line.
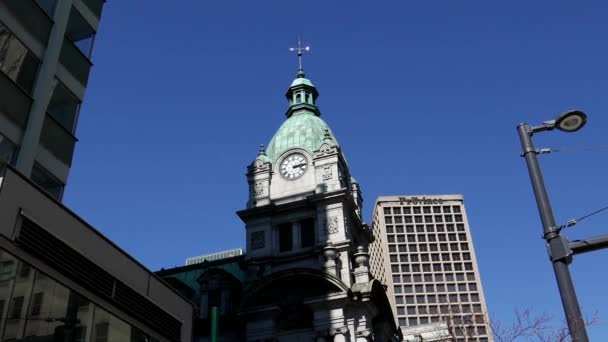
304, 130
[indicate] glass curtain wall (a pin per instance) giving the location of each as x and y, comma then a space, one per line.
35, 307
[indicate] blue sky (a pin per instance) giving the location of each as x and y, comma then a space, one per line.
424, 98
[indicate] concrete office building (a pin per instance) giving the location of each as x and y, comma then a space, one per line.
45, 59
424, 253
61, 280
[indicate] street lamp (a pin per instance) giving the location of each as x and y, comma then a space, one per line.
560, 251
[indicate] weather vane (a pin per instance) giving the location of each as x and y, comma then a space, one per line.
300, 49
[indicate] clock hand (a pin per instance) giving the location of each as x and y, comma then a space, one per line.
303, 164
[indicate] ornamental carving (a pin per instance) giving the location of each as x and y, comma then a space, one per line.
258, 188
258, 239
327, 173
331, 225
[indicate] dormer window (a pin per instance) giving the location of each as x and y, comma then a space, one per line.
296, 235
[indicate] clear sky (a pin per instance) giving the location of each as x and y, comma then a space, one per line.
423, 97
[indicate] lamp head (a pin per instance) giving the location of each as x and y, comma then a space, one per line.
571, 121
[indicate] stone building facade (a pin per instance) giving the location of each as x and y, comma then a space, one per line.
305, 275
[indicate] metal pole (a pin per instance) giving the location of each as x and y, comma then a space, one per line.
214, 324
557, 244
589, 244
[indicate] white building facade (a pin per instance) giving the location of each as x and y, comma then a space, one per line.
424, 253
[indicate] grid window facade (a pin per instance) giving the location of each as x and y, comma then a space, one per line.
431, 267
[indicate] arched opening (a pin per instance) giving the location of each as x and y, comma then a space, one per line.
298, 98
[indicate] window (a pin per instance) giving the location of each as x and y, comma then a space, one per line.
396, 210
396, 279
47, 181
307, 232
16, 61
64, 107
36, 304
407, 211
446, 209
399, 229
398, 219
456, 209
416, 210
7, 150
388, 220
387, 211
16, 307
426, 210
458, 218
285, 237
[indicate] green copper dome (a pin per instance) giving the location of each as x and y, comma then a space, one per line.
304, 130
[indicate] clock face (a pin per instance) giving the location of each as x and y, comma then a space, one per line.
293, 166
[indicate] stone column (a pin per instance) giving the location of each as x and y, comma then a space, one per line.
330, 253
362, 269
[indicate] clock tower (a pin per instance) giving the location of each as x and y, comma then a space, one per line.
307, 265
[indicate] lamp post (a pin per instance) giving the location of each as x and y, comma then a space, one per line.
558, 246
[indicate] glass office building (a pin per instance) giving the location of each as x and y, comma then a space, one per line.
45, 61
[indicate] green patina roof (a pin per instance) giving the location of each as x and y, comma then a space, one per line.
301, 80
304, 130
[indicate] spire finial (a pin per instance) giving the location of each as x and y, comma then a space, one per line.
327, 135
300, 49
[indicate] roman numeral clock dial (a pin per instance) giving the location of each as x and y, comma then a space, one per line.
293, 166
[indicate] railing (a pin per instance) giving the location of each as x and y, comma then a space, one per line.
58, 140
14, 102
75, 61
32, 17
